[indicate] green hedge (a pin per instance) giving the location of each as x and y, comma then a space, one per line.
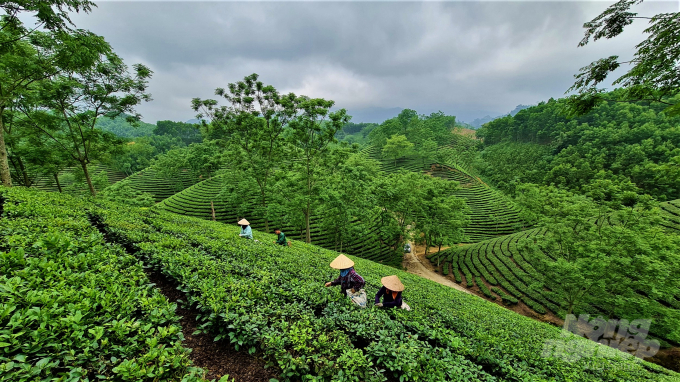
270, 300
74, 308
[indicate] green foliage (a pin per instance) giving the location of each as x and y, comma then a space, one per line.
124, 129
65, 108
631, 140
252, 130
311, 136
403, 198
397, 146
187, 132
508, 163
198, 161
443, 218
416, 128
653, 76
347, 202
75, 307
139, 153
123, 193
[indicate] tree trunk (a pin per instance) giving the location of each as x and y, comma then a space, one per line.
27, 182
56, 179
307, 230
87, 177
212, 207
264, 210
4, 164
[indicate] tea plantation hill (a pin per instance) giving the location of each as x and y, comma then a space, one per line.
95, 312
149, 181
47, 183
671, 214
491, 214
196, 201
504, 273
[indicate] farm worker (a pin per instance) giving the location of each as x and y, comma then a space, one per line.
245, 229
348, 278
281, 240
390, 292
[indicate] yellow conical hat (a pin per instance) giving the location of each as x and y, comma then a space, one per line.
392, 283
243, 222
342, 262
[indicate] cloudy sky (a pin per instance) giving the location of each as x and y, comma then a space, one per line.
467, 59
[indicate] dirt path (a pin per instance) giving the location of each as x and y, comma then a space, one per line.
413, 265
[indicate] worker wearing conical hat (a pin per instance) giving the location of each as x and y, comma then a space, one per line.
348, 278
245, 229
390, 292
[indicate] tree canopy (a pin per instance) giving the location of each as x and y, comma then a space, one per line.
654, 75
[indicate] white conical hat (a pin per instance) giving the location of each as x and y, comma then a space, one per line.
342, 262
243, 222
392, 283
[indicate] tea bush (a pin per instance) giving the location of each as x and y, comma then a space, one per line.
271, 300
265, 299
74, 307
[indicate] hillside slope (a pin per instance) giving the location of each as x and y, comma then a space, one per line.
502, 271
196, 201
149, 181
270, 300
491, 213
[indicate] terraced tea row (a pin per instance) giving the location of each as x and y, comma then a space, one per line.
48, 183
503, 272
75, 308
491, 213
671, 214
196, 201
149, 181
270, 299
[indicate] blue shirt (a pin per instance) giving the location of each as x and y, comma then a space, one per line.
247, 232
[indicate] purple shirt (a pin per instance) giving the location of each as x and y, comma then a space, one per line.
351, 280
388, 300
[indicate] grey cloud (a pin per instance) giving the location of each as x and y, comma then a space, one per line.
465, 58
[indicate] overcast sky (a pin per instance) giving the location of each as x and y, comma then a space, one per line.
467, 59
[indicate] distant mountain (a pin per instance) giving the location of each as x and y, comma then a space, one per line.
518, 108
478, 122
193, 121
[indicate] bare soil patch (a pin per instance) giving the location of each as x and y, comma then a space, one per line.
668, 358
217, 357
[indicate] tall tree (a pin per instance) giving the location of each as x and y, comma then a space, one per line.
66, 108
311, 134
655, 72
396, 147
28, 55
404, 198
443, 220
348, 202
427, 150
251, 126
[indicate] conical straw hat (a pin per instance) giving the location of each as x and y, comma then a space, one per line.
342, 262
243, 222
392, 283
